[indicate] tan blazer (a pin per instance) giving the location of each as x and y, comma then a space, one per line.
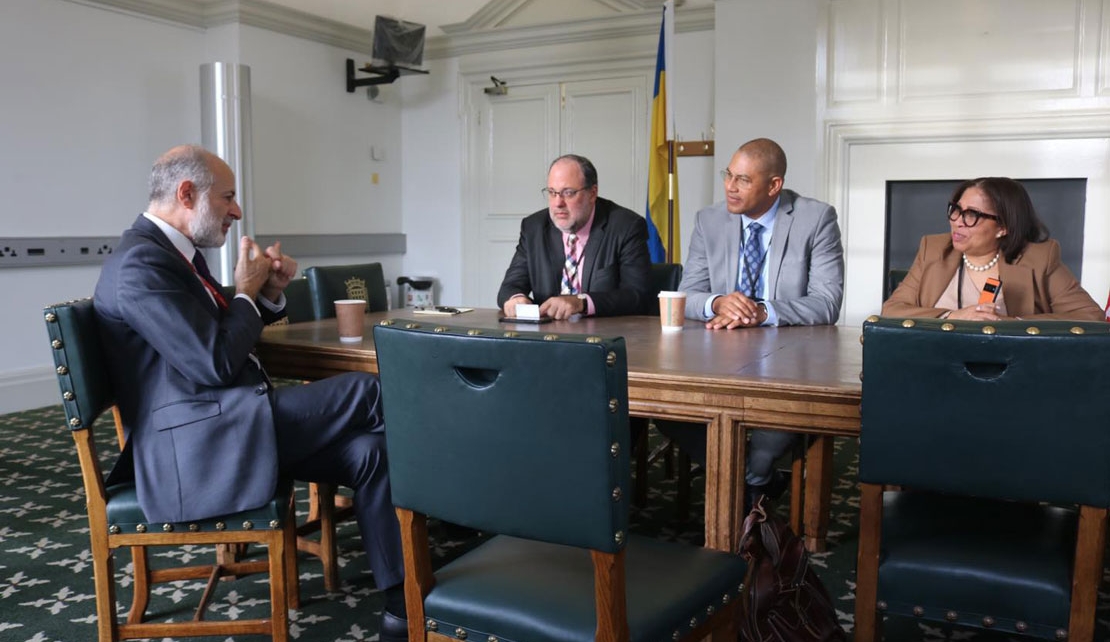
1037, 285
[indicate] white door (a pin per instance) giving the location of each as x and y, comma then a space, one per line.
515, 138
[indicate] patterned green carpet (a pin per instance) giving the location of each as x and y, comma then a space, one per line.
46, 587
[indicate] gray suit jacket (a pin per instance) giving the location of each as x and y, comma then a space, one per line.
196, 408
806, 269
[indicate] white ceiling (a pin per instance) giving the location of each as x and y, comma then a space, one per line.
360, 13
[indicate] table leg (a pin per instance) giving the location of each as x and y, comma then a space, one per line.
819, 480
724, 482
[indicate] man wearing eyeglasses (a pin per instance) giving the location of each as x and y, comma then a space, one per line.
765, 256
582, 255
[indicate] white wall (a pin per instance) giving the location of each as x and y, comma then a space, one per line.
693, 89
765, 83
91, 96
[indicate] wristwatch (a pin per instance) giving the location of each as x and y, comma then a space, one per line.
585, 305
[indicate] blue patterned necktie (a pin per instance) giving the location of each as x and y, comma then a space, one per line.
752, 283
570, 267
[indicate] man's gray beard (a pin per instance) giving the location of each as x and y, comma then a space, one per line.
206, 228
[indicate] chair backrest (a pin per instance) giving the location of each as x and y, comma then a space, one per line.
665, 276
894, 278
1014, 409
79, 362
359, 281
523, 435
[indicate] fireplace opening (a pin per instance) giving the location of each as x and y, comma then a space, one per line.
917, 208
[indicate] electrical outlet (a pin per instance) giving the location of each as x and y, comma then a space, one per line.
44, 251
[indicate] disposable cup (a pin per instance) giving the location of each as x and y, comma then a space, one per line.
349, 315
672, 310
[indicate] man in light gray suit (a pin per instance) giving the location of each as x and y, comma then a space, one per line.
765, 256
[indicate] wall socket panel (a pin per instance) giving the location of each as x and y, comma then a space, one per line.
46, 251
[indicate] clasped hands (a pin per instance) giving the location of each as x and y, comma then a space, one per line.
557, 307
264, 272
977, 312
734, 310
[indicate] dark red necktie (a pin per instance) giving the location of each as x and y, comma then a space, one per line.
201, 266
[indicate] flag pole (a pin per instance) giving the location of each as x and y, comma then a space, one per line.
672, 164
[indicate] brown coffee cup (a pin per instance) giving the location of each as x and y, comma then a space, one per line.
672, 310
349, 315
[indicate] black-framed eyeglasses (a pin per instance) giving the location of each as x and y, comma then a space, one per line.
567, 193
971, 217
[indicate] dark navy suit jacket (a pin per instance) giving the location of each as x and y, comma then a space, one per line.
195, 406
615, 266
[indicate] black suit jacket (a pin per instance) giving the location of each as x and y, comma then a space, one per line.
615, 266
196, 408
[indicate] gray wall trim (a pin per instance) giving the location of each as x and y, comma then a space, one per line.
301, 245
28, 252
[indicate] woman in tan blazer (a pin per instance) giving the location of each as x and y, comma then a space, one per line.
995, 234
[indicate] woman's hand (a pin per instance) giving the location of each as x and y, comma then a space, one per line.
977, 312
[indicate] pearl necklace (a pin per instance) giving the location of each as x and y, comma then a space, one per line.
981, 268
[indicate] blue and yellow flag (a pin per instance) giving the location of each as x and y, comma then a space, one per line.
662, 198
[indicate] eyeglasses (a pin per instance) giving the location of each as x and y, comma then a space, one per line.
971, 217
567, 193
729, 177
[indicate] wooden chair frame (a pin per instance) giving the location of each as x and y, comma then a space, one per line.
609, 592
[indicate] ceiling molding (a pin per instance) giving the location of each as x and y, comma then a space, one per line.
468, 37
619, 26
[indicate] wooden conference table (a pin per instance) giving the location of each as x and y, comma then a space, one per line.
800, 379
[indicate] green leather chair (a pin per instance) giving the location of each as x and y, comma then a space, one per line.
326, 284
117, 521
894, 278
503, 451
996, 435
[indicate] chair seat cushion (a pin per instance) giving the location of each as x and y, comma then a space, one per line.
1007, 561
525, 591
125, 513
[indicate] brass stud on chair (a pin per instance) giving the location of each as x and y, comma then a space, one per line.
474, 332
550, 337
431, 625
880, 605
726, 598
989, 329
248, 525
1077, 330
618, 537
615, 449
193, 528
613, 405
412, 326
909, 323
509, 334
167, 528
140, 528
611, 359
62, 370
861, 339
919, 611
710, 610
68, 396
75, 422
676, 636
114, 529
593, 339
51, 317
386, 322
440, 329
1061, 634
872, 319
617, 494
275, 524
492, 638
1033, 330
693, 623
947, 327
951, 616
988, 621
460, 633
56, 344
1021, 627
220, 526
